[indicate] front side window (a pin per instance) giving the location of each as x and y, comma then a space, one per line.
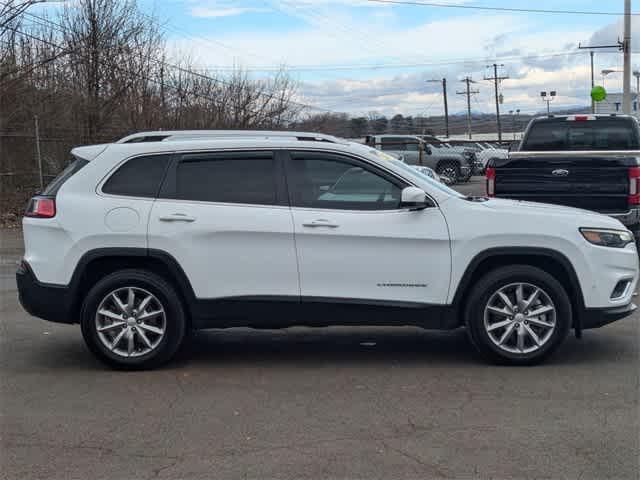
247, 178
318, 181
138, 177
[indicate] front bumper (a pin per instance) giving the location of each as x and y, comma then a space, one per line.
42, 300
465, 170
599, 317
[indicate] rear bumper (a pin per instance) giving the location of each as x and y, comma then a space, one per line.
632, 217
599, 317
42, 300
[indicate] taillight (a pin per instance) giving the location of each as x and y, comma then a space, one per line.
41, 207
491, 182
634, 186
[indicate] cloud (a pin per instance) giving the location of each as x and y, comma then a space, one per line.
611, 33
537, 56
213, 12
220, 8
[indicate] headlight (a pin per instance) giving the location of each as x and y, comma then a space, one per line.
607, 238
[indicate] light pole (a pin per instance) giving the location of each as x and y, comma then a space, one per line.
446, 106
513, 120
606, 72
548, 98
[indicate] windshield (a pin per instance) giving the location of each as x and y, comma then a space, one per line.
407, 169
410, 172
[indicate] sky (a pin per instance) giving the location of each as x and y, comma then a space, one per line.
360, 56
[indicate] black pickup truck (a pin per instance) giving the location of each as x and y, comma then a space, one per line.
584, 161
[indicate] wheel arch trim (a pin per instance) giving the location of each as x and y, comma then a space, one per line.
464, 284
178, 276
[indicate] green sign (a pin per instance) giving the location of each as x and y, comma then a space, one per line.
598, 93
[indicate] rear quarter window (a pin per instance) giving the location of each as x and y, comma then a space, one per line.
138, 177
71, 169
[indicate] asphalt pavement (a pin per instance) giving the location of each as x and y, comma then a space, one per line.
302, 403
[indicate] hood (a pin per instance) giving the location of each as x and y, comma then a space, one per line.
586, 218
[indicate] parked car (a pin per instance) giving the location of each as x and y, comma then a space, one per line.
146, 239
585, 161
487, 152
415, 151
469, 150
429, 172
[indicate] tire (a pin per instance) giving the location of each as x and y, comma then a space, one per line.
450, 169
157, 330
535, 348
465, 178
636, 234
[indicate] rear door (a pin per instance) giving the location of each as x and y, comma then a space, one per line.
353, 240
224, 217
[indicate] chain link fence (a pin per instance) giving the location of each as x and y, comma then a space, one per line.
21, 168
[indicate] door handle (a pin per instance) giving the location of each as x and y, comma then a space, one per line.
321, 222
177, 217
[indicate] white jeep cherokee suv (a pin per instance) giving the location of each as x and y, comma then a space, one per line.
145, 239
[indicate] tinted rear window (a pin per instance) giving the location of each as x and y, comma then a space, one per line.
601, 134
138, 177
63, 176
239, 178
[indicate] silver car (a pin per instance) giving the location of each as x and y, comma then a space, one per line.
415, 151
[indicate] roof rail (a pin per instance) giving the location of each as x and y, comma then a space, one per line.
170, 135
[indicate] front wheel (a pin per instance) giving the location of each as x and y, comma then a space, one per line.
449, 169
133, 319
518, 315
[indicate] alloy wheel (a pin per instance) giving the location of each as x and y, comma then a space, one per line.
130, 321
520, 318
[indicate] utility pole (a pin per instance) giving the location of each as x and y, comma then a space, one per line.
636, 73
446, 106
38, 155
591, 49
497, 79
593, 84
468, 92
626, 49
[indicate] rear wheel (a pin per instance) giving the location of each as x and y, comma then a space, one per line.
133, 319
518, 315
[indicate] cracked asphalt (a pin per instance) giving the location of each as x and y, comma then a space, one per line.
338, 403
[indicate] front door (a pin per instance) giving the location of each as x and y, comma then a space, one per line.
353, 240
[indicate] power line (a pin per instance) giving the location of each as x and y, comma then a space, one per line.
387, 66
497, 9
60, 29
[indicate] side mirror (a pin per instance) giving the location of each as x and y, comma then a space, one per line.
428, 150
414, 199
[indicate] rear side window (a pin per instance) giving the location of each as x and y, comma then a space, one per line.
138, 177
601, 134
63, 176
247, 178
